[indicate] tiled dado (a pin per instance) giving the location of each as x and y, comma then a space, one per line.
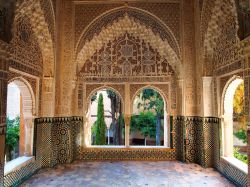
234, 174
193, 139
113, 154
196, 139
56, 140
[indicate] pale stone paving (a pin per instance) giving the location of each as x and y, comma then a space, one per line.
128, 173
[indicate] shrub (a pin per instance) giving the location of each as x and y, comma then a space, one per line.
242, 135
240, 156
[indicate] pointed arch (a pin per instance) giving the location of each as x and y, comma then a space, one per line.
122, 25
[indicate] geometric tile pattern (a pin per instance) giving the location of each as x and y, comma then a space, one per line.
248, 151
1, 173
194, 139
18, 176
211, 141
57, 139
238, 177
116, 154
43, 148
178, 136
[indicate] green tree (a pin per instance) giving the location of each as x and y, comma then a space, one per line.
238, 111
238, 104
12, 136
93, 98
145, 123
100, 138
152, 100
116, 125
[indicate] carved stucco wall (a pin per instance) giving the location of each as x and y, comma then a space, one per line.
119, 21
126, 41
189, 60
162, 33
29, 51
218, 31
7, 13
223, 51
169, 13
219, 39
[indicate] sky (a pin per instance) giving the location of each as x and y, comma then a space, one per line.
13, 101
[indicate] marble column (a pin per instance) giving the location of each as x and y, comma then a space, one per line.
3, 106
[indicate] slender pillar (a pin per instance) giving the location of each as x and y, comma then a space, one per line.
29, 126
227, 123
180, 97
22, 130
3, 106
207, 96
48, 97
127, 107
86, 138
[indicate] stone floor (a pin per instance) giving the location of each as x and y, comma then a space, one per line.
127, 173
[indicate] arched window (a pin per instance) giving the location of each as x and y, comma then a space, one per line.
20, 110
234, 126
105, 119
148, 122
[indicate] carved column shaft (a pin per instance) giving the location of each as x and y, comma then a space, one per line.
127, 113
180, 99
189, 59
228, 131
247, 110
3, 106
207, 96
65, 65
29, 126
48, 96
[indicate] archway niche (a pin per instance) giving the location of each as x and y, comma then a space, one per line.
148, 125
127, 55
20, 111
234, 90
112, 126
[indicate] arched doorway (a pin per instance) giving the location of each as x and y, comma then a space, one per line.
20, 115
234, 126
149, 122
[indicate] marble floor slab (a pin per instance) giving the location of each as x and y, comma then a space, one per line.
127, 174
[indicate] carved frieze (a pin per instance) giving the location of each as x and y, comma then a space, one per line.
126, 58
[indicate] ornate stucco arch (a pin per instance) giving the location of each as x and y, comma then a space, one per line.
141, 24
27, 114
29, 101
227, 114
43, 26
219, 27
